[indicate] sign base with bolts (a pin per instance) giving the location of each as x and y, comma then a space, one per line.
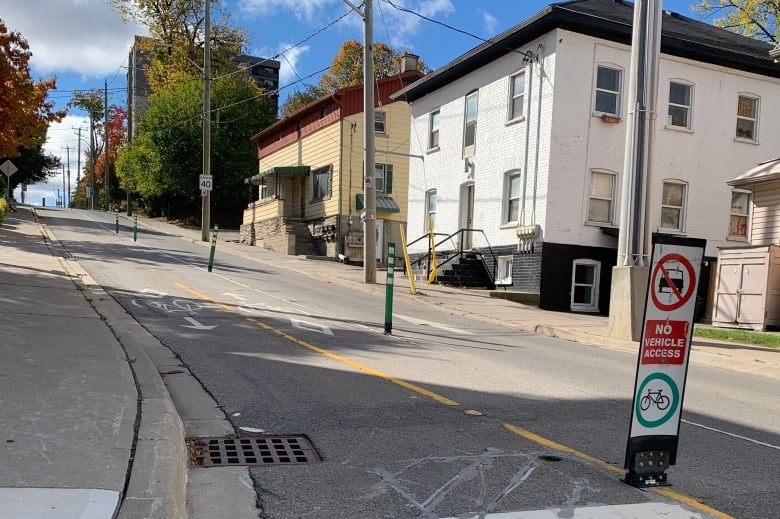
647, 469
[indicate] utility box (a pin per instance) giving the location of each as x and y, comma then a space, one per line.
747, 291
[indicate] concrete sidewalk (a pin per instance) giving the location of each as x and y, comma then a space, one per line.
85, 433
478, 304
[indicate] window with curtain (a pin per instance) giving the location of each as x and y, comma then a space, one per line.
740, 207
747, 118
601, 197
673, 206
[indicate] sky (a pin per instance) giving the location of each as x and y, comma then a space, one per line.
85, 44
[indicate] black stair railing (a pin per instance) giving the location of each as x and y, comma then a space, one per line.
457, 251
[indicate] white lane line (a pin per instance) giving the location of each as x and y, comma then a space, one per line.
740, 437
635, 511
432, 324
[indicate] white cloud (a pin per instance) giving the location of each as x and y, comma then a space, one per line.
308, 10
59, 136
87, 37
489, 21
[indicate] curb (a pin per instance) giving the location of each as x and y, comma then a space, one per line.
157, 475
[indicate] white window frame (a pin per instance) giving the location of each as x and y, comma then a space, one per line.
430, 196
380, 176
681, 208
745, 215
513, 96
591, 196
593, 306
615, 93
508, 198
504, 275
434, 127
380, 122
468, 150
317, 186
688, 108
753, 120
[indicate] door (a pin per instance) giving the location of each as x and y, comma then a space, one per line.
466, 216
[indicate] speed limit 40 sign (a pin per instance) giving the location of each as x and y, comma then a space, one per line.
206, 182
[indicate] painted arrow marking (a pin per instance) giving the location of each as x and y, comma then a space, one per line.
195, 325
312, 327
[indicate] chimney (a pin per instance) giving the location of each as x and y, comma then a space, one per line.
409, 62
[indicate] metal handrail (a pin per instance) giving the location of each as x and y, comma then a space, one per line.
459, 252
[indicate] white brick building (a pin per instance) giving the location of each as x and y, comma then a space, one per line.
524, 138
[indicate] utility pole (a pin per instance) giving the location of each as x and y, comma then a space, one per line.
630, 275
92, 161
62, 202
369, 156
78, 160
105, 144
67, 151
206, 196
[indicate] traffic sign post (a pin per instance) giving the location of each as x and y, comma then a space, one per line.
8, 168
662, 364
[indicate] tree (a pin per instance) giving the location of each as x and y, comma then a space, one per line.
117, 130
346, 70
165, 158
33, 166
347, 66
25, 112
300, 99
752, 18
177, 28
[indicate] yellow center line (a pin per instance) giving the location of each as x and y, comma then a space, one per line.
524, 433
351, 363
206, 298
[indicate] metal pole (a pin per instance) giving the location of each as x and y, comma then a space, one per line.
369, 223
106, 143
213, 247
78, 162
389, 288
63, 187
92, 160
67, 151
206, 197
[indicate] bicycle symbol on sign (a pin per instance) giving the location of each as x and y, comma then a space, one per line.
654, 398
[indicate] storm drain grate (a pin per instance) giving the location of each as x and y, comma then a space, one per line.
260, 450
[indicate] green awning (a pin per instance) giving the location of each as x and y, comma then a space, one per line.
384, 203
280, 170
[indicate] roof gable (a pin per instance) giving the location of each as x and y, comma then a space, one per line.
609, 20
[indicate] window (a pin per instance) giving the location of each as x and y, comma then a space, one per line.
513, 190
747, 118
321, 183
430, 210
379, 122
601, 197
608, 90
516, 95
680, 104
673, 206
585, 285
504, 276
470, 124
740, 206
383, 178
433, 129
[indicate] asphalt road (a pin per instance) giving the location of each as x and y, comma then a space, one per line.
432, 421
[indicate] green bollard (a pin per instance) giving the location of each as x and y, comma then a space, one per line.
135, 227
389, 288
213, 246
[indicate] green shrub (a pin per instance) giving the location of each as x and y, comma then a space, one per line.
3, 209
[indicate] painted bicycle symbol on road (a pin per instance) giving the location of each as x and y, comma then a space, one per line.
173, 306
656, 398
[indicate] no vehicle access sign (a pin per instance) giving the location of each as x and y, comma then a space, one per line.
662, 365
